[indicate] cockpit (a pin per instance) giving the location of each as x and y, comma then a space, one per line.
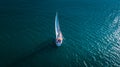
58, 41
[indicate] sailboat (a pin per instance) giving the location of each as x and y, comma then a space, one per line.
58, 33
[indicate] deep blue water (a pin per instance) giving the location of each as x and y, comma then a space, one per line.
91, 30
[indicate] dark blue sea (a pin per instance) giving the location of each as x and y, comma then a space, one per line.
91, 30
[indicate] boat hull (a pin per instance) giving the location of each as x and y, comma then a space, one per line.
58, 44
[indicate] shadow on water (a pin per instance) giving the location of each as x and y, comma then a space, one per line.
46, 46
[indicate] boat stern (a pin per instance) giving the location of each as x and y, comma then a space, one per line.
58, 44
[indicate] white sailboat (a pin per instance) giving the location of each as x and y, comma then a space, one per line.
59, 36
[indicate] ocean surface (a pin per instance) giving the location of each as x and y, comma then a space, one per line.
91, 30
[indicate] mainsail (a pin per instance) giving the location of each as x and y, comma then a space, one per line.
57, 27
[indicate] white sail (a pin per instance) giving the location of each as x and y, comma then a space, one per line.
57, 27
